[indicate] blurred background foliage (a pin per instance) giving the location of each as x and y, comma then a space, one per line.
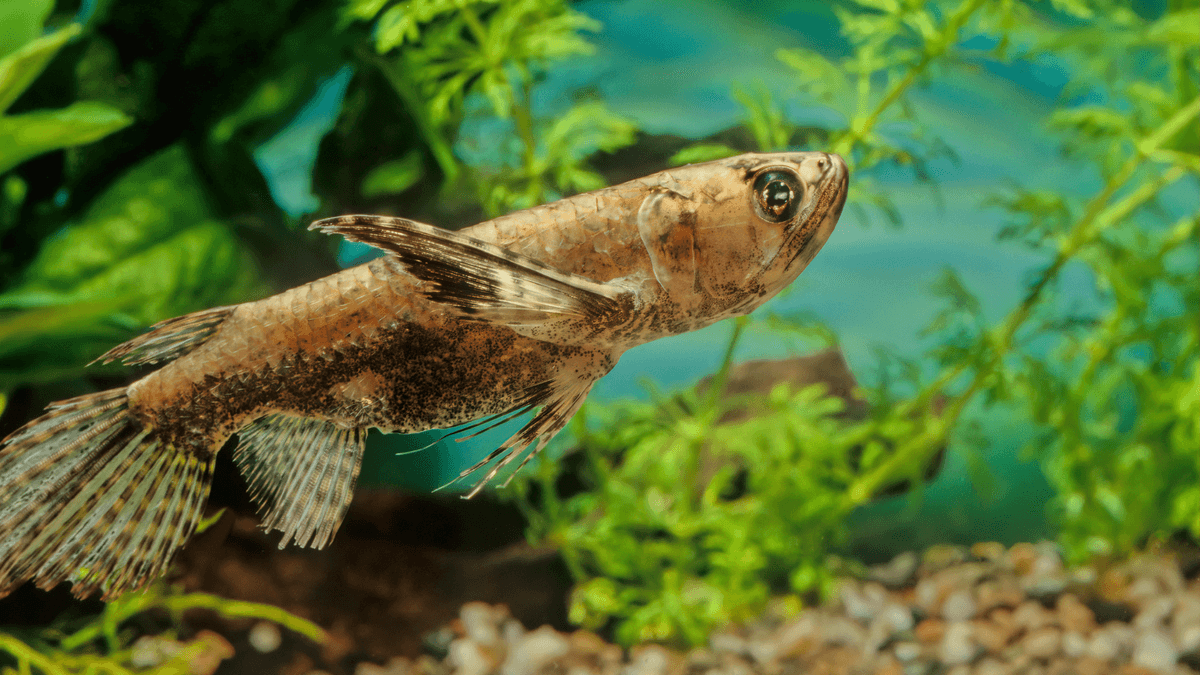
136, 185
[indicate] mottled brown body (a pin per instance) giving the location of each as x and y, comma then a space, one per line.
519, 314
361, 348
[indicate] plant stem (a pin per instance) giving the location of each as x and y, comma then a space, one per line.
1098, 212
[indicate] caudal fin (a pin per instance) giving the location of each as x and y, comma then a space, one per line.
90, 496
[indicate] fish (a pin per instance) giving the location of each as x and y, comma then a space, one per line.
515, 316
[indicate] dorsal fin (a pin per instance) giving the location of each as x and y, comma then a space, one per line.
170, 339
301, 473
486, 282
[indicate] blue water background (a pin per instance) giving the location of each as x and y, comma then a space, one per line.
670, 65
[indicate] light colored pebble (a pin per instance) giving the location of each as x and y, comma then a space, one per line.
857, 604
1074, 644
149, 651
467, 658
838, 630
959, 606
1187, 638
1042, 643
957, 644
727, 642
535, 650
480, 623
792, 636
897, 573
1030, 615
1153, 649
1154, 612
991, 666
928, 595
1104, 645
512, 631
897, 617
906, 652
649, 660
264, 637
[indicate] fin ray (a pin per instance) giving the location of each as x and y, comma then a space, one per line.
170, 339
487, 282
559, 402
89, 495
301, 473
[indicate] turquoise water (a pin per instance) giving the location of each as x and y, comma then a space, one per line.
670, 66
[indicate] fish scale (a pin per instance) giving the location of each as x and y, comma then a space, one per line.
515, 316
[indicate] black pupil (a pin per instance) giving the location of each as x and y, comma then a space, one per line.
777, 195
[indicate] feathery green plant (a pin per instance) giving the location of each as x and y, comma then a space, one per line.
665, 553
437, 54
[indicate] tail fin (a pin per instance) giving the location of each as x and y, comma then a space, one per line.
91, 496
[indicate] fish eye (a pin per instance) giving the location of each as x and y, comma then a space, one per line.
777, 195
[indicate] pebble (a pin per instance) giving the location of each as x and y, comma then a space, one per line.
1154, 650
479, 623
951, 611
898, 573
1075, 616
1042, 643
957, 646
1104, 645
264, 637
396, 666
959, 606
534, 650
1074, 645
467, 657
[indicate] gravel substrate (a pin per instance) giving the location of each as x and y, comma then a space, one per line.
986, 610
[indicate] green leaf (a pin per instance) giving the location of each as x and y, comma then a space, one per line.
21, 21
31, 134
816, 75
146, 250
701, 152
19, 69
394, 177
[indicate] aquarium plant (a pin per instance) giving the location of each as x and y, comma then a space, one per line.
663, 551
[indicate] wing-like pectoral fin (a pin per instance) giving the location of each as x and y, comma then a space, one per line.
301, 473
487, 282
559, 402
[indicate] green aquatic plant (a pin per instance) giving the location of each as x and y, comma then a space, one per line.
104, 643
437, 55
664, 552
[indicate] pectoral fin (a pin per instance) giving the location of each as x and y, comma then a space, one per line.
487, 282
559, 401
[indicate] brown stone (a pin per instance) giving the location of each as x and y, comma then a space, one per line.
1090, 665
991, 551
1003, 591
930, 631
1021, 556
992, 636
1130, 669
1042, 643
1030, 615
1112, 585
1075, 616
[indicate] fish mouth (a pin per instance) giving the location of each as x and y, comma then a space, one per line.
831, 199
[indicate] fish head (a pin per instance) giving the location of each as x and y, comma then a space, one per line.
757, 221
